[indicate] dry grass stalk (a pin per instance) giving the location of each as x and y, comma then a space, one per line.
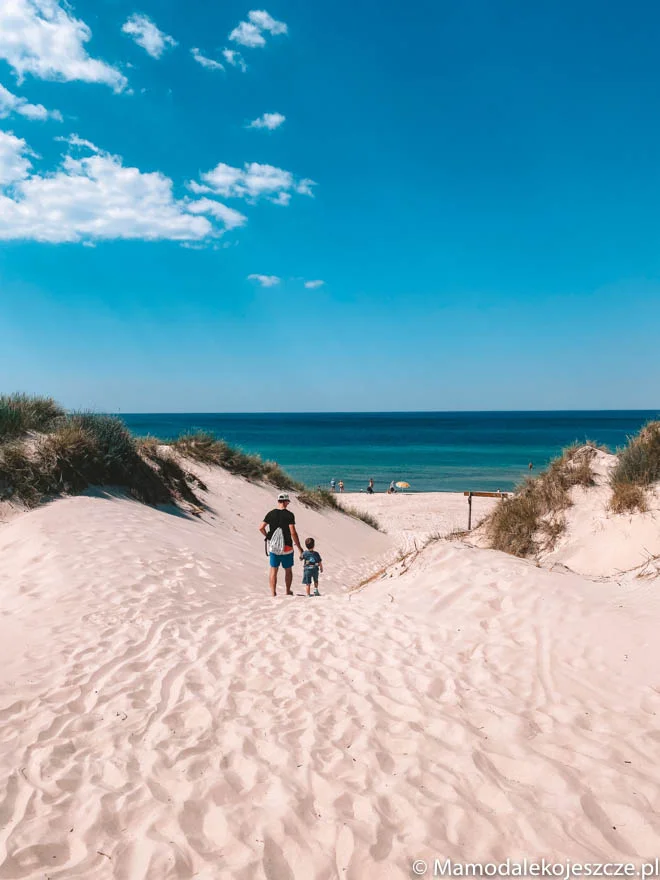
531, 521
637, 468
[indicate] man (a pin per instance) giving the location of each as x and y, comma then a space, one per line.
281, 518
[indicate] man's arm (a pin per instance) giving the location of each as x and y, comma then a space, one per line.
296, 539
262, 529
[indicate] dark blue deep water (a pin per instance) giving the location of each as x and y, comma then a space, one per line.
431, 451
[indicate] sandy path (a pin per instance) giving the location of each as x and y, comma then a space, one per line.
412, 518
160, 717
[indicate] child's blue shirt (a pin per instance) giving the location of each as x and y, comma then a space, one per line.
311, 559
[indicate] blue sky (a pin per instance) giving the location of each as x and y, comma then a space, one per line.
476, 186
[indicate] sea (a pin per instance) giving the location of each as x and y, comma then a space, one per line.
432, 451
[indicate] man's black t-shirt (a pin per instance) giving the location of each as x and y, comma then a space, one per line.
282, 519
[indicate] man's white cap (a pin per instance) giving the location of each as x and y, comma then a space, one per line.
283, 497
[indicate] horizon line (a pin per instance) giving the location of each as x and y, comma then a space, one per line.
373, 412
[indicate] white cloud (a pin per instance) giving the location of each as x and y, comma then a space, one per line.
95, 197
229, 216
265, 280
146, 34
312, 285
209, 63
247, 34
251, 33
223, 179
235, 59
75, 141
282, 198
14, 158
198, 188
268, 120
10, 103
252, 182
304, 187
41, 37
92, 195
261, 19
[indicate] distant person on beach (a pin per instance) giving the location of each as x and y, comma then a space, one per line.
531, 466
332, 485
370, 487
392, 489
312, 564
279, 529
341, 485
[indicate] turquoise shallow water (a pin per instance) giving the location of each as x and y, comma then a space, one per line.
431, 451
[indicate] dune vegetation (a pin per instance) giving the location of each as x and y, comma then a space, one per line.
21, 413
207, 449
637, 468
532, 519
46, 452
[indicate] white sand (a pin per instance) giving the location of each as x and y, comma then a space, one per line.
162, 717
599, 543
413, 518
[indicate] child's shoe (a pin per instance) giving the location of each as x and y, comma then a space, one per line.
316, 592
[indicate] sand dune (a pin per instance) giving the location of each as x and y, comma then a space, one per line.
600, 543
162, 717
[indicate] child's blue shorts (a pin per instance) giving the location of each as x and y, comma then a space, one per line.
309, 575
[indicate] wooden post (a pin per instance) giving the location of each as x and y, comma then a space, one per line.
469, 496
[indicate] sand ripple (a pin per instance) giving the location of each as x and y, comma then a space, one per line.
475, 708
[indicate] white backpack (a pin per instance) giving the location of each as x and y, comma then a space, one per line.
276, 542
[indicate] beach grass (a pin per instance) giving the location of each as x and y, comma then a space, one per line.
637, 468
22, 413
367, 518
322, 498
207, 449
532, 519
45, 452
21, 475
628, 498
85, 450
318, 499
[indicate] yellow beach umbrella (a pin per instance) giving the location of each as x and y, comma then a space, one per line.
402, 485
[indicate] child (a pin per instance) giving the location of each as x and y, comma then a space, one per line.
312, 565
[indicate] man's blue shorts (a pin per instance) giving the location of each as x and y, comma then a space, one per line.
283, 559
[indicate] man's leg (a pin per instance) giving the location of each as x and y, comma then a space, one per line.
287, 565
273, 579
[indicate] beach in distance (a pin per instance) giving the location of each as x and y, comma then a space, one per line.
434, 451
